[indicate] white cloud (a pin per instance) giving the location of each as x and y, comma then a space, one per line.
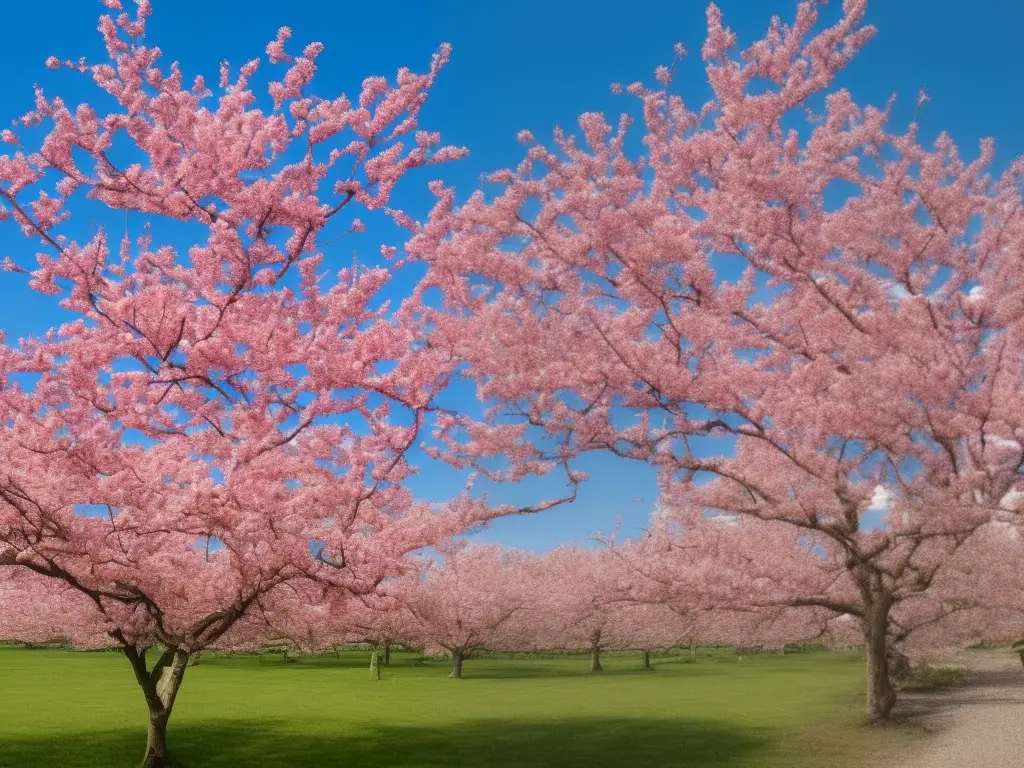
898, 291
881, 499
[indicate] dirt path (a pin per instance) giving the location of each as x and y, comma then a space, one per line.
978, 726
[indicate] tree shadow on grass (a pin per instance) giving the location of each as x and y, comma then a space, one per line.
485, 669
565, 743
319, 662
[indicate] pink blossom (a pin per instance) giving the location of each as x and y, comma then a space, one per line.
585, 298
275, 48
242, 346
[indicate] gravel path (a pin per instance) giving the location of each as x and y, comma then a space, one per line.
978, 726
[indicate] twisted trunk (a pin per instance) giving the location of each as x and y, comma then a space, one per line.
157, 755
456, 673
160, 688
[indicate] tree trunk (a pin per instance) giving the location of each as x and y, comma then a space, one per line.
387, 653
595, 659
374, 666
693, 653
157, 755
647, 659
1021, 654
160, 688
881, 697
456, 673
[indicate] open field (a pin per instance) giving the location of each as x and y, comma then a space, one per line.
82, 710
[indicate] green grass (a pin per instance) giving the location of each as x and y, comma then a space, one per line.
82, 710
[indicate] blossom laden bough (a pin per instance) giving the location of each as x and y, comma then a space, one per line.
218, 422
869, 336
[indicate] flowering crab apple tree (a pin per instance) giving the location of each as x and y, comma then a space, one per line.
216, 422
780, 269
467, 604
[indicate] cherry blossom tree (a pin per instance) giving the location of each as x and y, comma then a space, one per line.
224, 420
35, 610
309, 617
666, 579
468, 603
645, 627
778, 583
712, 576
381, 620
780, 290
895, 577
581, 593
339, 618
977, 600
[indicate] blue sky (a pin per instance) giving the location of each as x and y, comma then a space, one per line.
531, 64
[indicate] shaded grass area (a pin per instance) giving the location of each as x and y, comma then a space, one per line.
76, 710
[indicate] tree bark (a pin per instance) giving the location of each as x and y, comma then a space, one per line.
387, 653
881, 696
157, 755
595, 659
456, 673
647, 659
374, 665
693, 653
160, 686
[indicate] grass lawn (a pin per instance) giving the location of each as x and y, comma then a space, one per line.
83, 710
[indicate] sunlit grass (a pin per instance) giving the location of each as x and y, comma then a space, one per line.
79, 710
